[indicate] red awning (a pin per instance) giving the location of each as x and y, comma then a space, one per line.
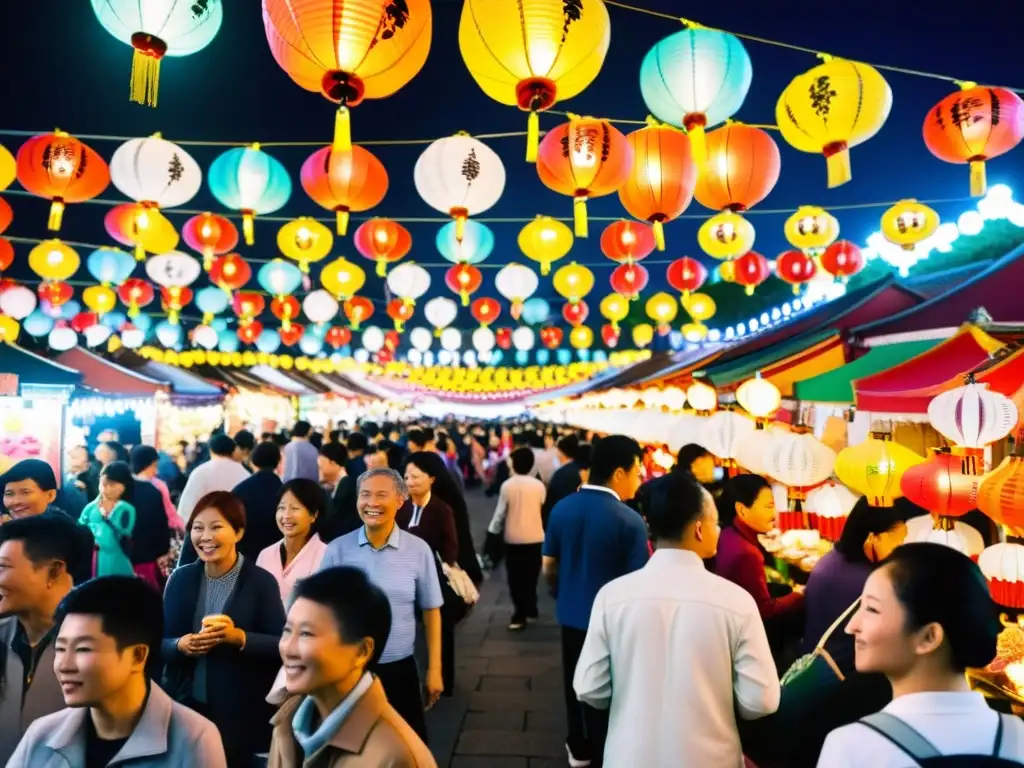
1004, 372
108, 377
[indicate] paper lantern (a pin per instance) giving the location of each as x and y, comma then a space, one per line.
155, 172
909, 222
726, 235
56, 294
463, 279
475, 246
752, 454
54, 260
305, 240
614, 308
485, 310
973, 125
661, 182
724, 431
796, 268
279, 278
382, 241
696, 79
211, 235
573, 282
252, 333
421, 339
460, 176
545, 240
408, 282
6, 215
800, 461
248, 180
686, 275
6, 254
662, 309
827, 507
344, 180
581, 337
338, 336
38, 324
750, 270
173, 270
534, 311
741, 169
610, 334
8, 167
440, 313
174, 299
320, 307
230, 272
99, 298
1001, 495
699, 306
875, 467
358, 310
575, 312
247, 305
533, 54
523, 338
1003, 567
18, 302
642, 335
972, 416
551, 336
811, 229
212, 301
135, 293
941, 486
701, 397
842, 259
162, 28
342, 278
290, 333
629, 280
946, 531
627, 242
451, 339
760, 398
483, 339
62, 169
584, 158
141, 226
62, 338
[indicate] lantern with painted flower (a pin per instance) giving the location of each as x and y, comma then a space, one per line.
614, 308
459, 176
909, 222
382, 241
305, 241
485, 310
662, 309
211, 235
874, 468
627, 242
135, 293
551, 336
343, 181
174, 272
686, 275
629, 280
741, 169
726, 235
811, 229
342, 278
62, 169
248, 180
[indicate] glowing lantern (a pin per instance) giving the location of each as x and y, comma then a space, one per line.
696, 79
972, 416
61, 169
485, 310
451, 339
575, 312
699, 306
614, 308
551, 336
940, 485
55, 294
751, 269
760, 398
584, 158
319, 306
212, 301
974, 125
155, 172
533, 54
726, 235
173, 300
796, 268
17, 301
694, 332
523, 338
134, 294
875, 467
1003, 567
291, 333
6, 215
440, 313
661, 182
337, 336
626, 242
581, 337
832, 108
1001, 496
6, 254
248, 305
358, 310
99, 298
741, 169
8, 167
545, 240
280, 279
342, 278
211, 235
460, 176
344, 181
662, 309
909, 222
483, 339
800, 461
686, 275
252, 331
422, 339
349, 50
141, 226
503, 338
629, 280
463, 279
174, 272
54, 260
573, 282
285, 308
828, 506
842, 259
610, 334
476, 244
408, 282
724, 432
383, 241
230, 272
248, 180
305, 240
643, 334
811, 229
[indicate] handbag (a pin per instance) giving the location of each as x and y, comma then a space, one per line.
459, 582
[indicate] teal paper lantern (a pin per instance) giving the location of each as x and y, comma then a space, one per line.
143, 322
268, 341
168, 334
310, 344
114, 320
211, 301
477, 242
37, 324
279, 277
543, 356
110, 266
227, 342
69, 309
535, 311
563, 356
248, 180
600, 356
583, 354
219, 324
522, 357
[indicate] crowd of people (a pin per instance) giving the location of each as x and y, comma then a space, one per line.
293, 599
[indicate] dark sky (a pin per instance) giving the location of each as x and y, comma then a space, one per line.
62, 69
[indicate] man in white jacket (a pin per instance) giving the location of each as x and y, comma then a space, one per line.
675, 651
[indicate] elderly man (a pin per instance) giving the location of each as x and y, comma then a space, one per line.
402, 565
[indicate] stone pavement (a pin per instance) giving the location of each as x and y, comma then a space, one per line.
507, 711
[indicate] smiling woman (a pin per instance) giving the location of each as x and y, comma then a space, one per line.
301, 506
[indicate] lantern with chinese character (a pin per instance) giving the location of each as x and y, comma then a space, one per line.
211, 235
230, 272
344, 181
174, 272
908, 223
485, 310
726, 235
626, 242
614, 308
686, 275
61, 169
382, 241
342, 278
874, 468
811, 229
573, 282
796, 268
741, 169
248, 180
358, 310
662, 309
751, 269
545, 240
54, 260
460, 176
465, 280
305, 240
629, 280
941, 486
134, 294
842, 259
142, 227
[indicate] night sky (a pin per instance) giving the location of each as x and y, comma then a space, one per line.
68, 72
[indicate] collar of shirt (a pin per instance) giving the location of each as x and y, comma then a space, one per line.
937, 703
603, 489
417, 511
312, 741
393, 539
746, 532
30, 654
674, 558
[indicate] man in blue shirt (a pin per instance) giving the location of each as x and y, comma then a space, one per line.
592, 538
300, 455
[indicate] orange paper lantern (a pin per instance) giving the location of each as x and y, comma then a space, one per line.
627, 241
135, 293
1002, 494
211, 235
464, 279
285, 309
383, 241
485, 310
742, 168
400, 312
358, 310
63, 170
751, 270
941, 486
6, 254
6, 215
230, 272
629, 280
344, 180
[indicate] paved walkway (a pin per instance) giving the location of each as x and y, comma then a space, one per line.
507, 711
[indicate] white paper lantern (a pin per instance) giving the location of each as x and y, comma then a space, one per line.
173, 269
516, 283
702, 397
673, 398
97, 334
759, 397
651, 397
831, 500
154, 170
752, 451
483, 340
373, 338
460, 176
18, 301
311, 344
440, 312
444, 357
414, 357
408, 281
62, 339
168, 335
972, 416
319, 306
361, 356
799, 460
523, 338
421, 338
725, 431
685, 428
962, 537
1003, 566
204, 336
451, 339
133, 338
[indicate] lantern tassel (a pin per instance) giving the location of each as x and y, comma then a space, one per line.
207, 318
532, 136
342, 221
460, 227
545, 268
145, 83
750, 290
172, 317
978, 181
207, 259
579, 216
133, 310
437, 333
248, 228
342, 130
796, 289
399, 326
140, 252
382, 267
57, 211
659, 235
837, 164
698, 144
465, 298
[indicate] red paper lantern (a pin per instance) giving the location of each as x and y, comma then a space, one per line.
575, 312
344, 180
358, 310
56, 293
391, 340
134, 294
285, 309
503, 338
842, 259
382, 241
485, 310
686, 275
610, 335
742, 167
400, 312
6, 215
941, 486
63, 170
551, 336
174, 299
627, 241
385, 356
629, 280
751, 269
248, 305
338, 336
230, 272
211, 235
249, 331
464, 279
796, 268
83, 321
6, 254
291, 334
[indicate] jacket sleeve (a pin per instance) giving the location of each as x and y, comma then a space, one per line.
755, 678
636, 544
169, 645
749, 574
24, 756
449, 536
261, 642
592, 681
497, 525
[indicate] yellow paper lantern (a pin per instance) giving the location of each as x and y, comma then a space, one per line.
875, 467
694, 332
9, 329
811, 229
581, 337
662, 309
8, 167
545, 240
54, 260
573, 282
726, 235
341, 278
759, 397
831, 108
614, 308
643, 335
305, 240
727, 271
99, 298
699, 306
908, 223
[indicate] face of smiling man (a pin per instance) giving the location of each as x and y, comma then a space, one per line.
378, 502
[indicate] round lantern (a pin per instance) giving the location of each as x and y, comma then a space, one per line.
99, 298
726, 235
9, 329
551, 336
699, 306
842, 259
534, 54
338, 336
134, 294
6, 255
408, 282
248, 305
752, 454
164, 28
686, 275
475, 246
285, 309
575, 312
248, 180
796, 268
8, 167
974, 125
811, 229
800, 461
662, 309
909, 222
372, 339
701, 397
875, 467
440, 313
972, 416
6, 215
751, 269
1001, 495
465, 280
523, 338
62, 338
155, 172
483, 339
485, 310
211, 235
534, 311
581, 337
54, 260
61, 169
584, 158
230, 272
358, 310
696, 78
760, 398
741, 169
320, 307
1003, 567
724, 431
642, 334
545, 240
460, 176
573, 282
279, 278
421, 339
382, 241
626, 242
661, 182
344, 180
614, 308
451, 339
304, 240
173, 300
17, 301
342, 278
610, 334
940, 485
56, 294
141, 226
629, 280
174, 272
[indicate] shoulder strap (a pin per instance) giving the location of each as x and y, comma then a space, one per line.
901, 734
835, 624
1007, 744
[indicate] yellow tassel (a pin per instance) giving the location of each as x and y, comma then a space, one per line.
207, 259
978, 181
460, 227
465, 298
145, 81
342, 220
399, 326
382, 267
796, 288
838, 166
304, 267
140, 252
579, 216
133, 310
342, 130
750, 290
532, 136
545, 268
437, 332
247, 227
207, 318
659, 235
172, 317
57, 211
698, 144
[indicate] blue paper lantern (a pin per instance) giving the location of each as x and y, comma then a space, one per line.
310, 344
212, 301
535, 311
543, 356
497, 356
37, 324
69, 309
114, 320
600, 356
675, 340
583, 354
110, 266
219, 324
268, 341
279, 278
248, 180
227, 341
477, 242
143, 322
522, 357
563, 356
168, 334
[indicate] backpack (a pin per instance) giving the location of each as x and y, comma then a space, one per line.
926, 755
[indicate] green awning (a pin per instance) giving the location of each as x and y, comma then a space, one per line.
745, 366
34, 370
837, 386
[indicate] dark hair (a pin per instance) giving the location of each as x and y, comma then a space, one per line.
442, 443
31, 469
429, 434
444, 487
584, 455
280, 439
357, 441
336, 452
224, 502
612, 453
370, 429
301, 429
935, 583
245, 439
118, 449
359, 606
568, 445
121, 473
742, 489
316, 440
335, 435
130, 611
53, 536
676, 503
266, 436
865, 520
311, 496
143, 457
688, 454
522, 460
416, 437
221, 445
393, 451
265, 456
